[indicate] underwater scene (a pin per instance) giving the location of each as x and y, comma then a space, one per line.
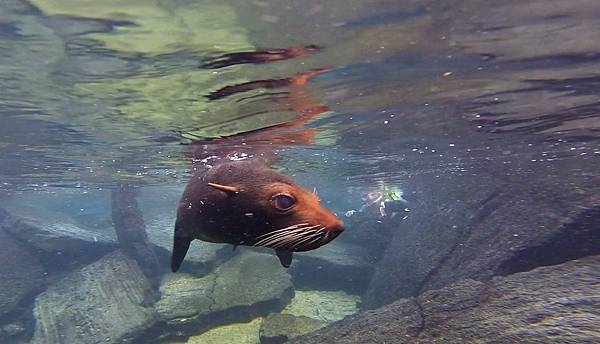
261, 172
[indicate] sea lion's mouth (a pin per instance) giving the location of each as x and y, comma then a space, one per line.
298, 237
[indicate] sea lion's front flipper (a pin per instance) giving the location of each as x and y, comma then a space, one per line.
180, 247
285, 257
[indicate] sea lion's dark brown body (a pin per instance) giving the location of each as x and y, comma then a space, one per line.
233, 202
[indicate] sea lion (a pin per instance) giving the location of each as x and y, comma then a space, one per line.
235, 197
245, 202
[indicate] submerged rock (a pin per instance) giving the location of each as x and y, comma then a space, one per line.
184, 297
335, 266
240, 333
10, 332
131, 230
326, 306
54, 232
21, 273
549, 304
247, 286
279, 328
495, 224
105, 302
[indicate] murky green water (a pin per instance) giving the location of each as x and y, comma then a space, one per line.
484, 117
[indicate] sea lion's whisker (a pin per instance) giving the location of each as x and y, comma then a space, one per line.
279, 241
302, 241
285, 236
283, 229
270, 242
303, 230
311, 237
278, 236
326, 237
317, 239
317, 236
287, 230
293, 238
322, 235
287, 239
272, 235
290, 227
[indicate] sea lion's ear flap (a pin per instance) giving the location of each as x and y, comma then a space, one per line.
230, 190
285, 257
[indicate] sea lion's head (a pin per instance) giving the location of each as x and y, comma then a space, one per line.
265, 208
297, 220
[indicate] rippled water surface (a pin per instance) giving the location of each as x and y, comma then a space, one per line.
484, 116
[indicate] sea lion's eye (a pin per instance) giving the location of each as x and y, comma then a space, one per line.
283, 202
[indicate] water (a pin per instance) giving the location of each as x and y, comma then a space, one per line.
484, 117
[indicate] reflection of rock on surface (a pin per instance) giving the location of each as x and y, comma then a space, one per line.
249, 285
548, 304
103, 302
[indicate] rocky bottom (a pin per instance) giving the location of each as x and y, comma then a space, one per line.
554, 304
248, 299
245, 296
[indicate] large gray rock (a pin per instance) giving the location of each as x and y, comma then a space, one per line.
249, 285
493, 224
20, 273
105, 302
131, 230
54, 232
336, 266
558, 304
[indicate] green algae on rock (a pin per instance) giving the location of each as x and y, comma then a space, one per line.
238, 333
184, 297
327, 306
247, 286
279, 328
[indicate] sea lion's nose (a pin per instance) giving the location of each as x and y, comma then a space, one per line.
334, 225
